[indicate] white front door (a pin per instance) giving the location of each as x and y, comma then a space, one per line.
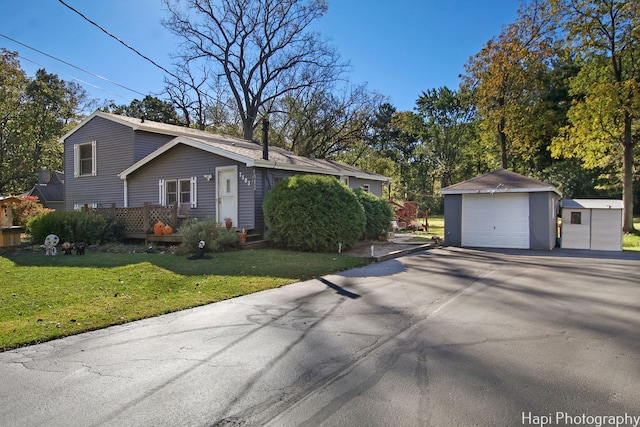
227, 194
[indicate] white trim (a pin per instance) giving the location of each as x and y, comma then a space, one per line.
271, 164
76, 159
162, 199
126, 193
194, 192
495, 191
188, 142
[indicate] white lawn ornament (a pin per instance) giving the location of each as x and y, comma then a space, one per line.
50, 243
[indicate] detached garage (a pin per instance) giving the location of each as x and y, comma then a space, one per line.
501, 209
592, 224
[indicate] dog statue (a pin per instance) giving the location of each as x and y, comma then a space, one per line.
80, 247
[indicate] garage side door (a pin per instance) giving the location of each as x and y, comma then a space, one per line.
495, 220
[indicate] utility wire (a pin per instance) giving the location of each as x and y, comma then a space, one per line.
70, 65
206, 95
120, 41
70, 76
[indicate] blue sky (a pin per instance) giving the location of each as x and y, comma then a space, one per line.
399, 48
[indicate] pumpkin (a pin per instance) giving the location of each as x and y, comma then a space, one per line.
158, 228
167, 229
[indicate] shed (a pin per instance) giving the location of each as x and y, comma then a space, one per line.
501, 209
9, 233
592, 224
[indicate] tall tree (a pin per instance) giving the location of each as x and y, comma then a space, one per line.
506, 79
34, 113
263, 48
13, 82
150, 108
603, 118
447, 131
324, 123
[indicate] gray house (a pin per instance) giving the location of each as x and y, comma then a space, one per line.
501, 209
49, 190
126, 162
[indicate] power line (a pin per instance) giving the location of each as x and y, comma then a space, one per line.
121, 42
70, 76
206, 95
70, 65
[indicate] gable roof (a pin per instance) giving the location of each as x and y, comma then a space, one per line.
499, 181
248, 152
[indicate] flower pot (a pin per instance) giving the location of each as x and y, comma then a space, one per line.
228, 224
242, 238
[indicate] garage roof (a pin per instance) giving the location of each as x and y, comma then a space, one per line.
591, 204
500, 181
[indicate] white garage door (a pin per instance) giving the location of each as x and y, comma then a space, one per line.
495, 220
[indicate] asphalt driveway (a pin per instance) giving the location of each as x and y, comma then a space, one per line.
446, 337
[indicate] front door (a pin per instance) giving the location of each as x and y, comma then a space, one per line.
227, 194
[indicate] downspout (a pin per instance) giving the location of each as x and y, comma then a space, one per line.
126, 194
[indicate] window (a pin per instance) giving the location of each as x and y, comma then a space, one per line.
84, 159
183, 191
576, 217
171, 193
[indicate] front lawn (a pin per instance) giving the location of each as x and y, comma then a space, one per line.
631, 241
45, 297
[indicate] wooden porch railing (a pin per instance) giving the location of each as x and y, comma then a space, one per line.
139, 221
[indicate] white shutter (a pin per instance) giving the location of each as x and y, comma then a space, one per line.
94, 160
161, 193
76, 160
194, 192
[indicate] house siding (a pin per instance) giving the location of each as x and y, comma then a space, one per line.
375, 187
453, 219
543, 209
147, 142
114, 153
183, 162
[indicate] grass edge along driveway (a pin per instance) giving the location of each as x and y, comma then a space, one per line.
44, 298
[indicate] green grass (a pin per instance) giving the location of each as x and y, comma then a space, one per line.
44, 298
631, 241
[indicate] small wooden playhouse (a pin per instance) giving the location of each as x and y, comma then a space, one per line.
9, 233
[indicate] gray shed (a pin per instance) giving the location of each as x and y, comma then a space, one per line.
592, 224
501, 209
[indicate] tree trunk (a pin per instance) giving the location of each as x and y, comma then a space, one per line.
503, 148
627, 176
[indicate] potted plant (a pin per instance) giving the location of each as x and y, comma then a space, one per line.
242, 238
228, 223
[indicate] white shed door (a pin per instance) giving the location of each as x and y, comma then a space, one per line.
606, 230
496, 220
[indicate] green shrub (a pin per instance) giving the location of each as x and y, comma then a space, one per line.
378, 213
75, 227
313, 213
216, 237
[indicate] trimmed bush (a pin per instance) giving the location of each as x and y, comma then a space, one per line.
216, 237
378, 213
74, 227
313, 213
